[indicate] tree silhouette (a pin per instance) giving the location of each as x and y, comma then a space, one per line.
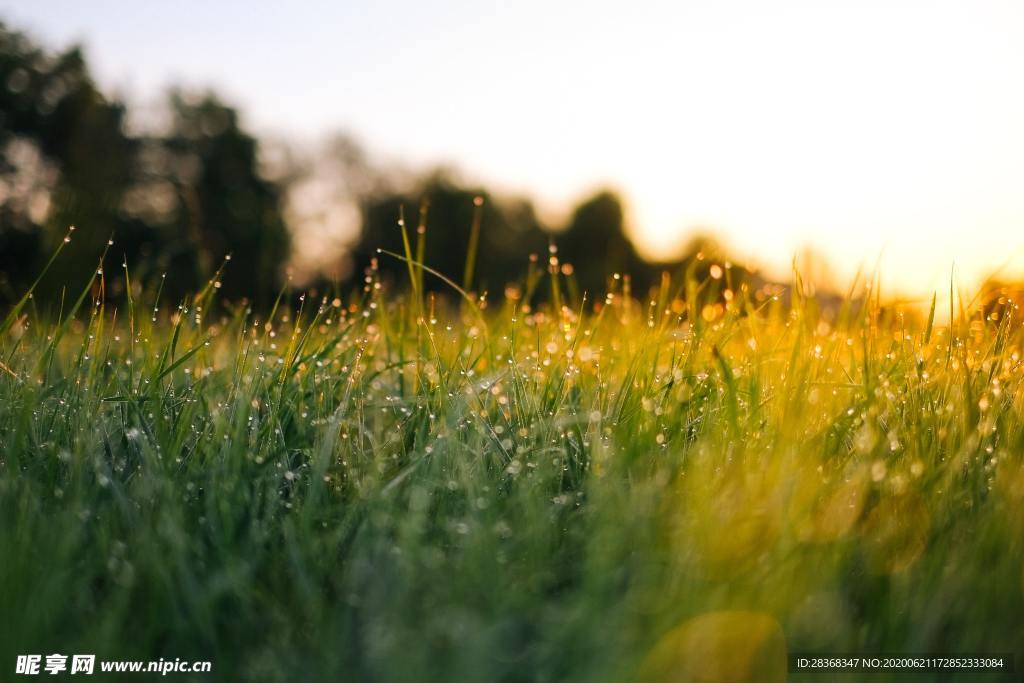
508, 232
64, 157
223, 204
596, 244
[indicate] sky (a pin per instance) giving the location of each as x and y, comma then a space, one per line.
880, 134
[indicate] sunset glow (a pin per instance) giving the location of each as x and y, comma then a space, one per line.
870, 132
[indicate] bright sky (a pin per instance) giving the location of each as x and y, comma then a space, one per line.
865, 129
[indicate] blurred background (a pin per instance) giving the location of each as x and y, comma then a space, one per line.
634, 136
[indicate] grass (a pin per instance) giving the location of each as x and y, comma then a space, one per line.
401, 487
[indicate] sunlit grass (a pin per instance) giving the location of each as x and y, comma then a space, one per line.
392, 486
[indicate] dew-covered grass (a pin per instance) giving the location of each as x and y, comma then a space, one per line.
397, 486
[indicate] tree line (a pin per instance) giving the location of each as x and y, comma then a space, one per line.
177, 198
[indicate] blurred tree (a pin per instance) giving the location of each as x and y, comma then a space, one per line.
591, 248
207, 169
177, 202
64, 158
595, 243
198, 194
509, 232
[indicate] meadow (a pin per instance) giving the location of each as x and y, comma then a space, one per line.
414, 481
